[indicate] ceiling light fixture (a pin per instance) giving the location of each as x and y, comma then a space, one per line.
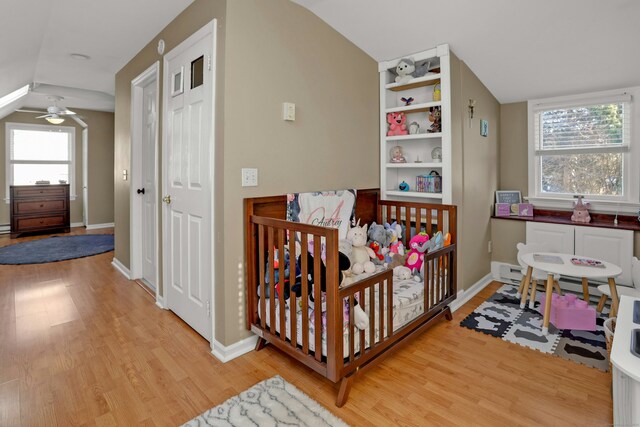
80, 56
54, 119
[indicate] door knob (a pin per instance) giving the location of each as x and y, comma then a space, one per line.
167, 199
140, 191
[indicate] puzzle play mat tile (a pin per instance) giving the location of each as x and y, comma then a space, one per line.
501, 316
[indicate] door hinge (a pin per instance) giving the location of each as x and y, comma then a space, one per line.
209, 62
208, 308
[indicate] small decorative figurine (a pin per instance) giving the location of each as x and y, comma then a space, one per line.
434, 118
403, 186
414, 128
580, 211
437, 93
397, 156
436, 155
407, 101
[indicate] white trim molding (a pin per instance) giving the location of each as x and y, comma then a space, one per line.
76, 224
98, 226
121, 268
465, 295
230, 352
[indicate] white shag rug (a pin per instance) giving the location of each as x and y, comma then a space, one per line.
272, 402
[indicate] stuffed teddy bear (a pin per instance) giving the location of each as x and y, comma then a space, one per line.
361, 254
580, 211
396, 260
379, 240
401, 272
415, 256
397, 124
435, 118
407, 70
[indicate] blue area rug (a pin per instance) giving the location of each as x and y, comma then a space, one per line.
501, 316
57, 248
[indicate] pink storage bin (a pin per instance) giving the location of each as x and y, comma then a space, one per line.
569, 312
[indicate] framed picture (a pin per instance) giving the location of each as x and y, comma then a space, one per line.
177, 82
484, 128
511, 197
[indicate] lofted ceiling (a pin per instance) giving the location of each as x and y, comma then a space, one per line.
38, 37
519, 49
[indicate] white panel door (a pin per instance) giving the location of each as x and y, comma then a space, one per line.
150, 194
614, 246
188, 182
558, 237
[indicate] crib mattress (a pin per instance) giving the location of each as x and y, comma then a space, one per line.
408, 303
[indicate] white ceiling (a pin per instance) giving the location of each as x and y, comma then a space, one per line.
519, 49
37, 38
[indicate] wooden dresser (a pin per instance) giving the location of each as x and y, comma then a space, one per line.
37, 208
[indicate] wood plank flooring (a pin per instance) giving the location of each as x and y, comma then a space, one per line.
81, 345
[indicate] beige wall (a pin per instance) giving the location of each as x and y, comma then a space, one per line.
29, 118
268, 53
100, 171
475, 172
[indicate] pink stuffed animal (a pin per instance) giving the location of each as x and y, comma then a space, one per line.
397, 124
580, 212
415, 257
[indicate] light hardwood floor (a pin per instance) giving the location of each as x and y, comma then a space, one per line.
81, 345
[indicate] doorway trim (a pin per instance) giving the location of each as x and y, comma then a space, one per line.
210, 28
135, 219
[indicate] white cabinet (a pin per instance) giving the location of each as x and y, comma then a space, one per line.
608, 244
419, 148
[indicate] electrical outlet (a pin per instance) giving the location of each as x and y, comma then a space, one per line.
249, 177
289, 111
489, 247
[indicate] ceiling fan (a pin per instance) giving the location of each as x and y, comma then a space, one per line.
54, 114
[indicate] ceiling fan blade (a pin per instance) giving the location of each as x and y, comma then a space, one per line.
42, 117
31, 111
66, 112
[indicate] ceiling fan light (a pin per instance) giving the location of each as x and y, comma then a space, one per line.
55, 119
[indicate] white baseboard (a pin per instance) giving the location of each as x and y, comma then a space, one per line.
227, 353
465, 295
98, 226
4, 228
121, 268
76, 224
160, 302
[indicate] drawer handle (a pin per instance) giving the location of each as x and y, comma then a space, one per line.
42, 206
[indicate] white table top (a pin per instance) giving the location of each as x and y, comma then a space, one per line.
621, 355
569, 269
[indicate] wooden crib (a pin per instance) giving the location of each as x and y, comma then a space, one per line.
348, 350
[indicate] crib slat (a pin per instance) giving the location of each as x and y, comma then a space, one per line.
362, 306
407, 224
372, 316
388, 219
293, 319
317, 297
428, 223
352, 334
440, 221
281, 303
381, 312
304, 274
432, 284
418, 220
261, 262
389, 284
425, 284
272, 287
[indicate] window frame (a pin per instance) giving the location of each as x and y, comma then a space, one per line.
71, 133
629, 201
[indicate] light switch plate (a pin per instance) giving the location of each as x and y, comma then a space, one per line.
249, 177
289, 111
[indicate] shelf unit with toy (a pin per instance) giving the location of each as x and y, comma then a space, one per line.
415, 128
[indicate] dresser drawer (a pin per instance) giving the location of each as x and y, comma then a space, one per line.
40, 191
33, 223
30, 206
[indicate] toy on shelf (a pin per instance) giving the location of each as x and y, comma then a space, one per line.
407, 101
407, 70
414, 128
397, 124
569, 312
397, 155
580, 211
434, 118
437, 92
404, 186
436, 155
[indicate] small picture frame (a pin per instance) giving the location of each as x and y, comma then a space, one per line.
177, 82
484, 128
511, 197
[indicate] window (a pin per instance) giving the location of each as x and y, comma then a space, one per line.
39, 153
582, 146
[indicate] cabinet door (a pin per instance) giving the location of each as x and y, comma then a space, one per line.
557, 237
614, 246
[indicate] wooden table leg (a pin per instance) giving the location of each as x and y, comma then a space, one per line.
521, 287
585, 289
525, 290
534, 288
614, 298
547, 305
